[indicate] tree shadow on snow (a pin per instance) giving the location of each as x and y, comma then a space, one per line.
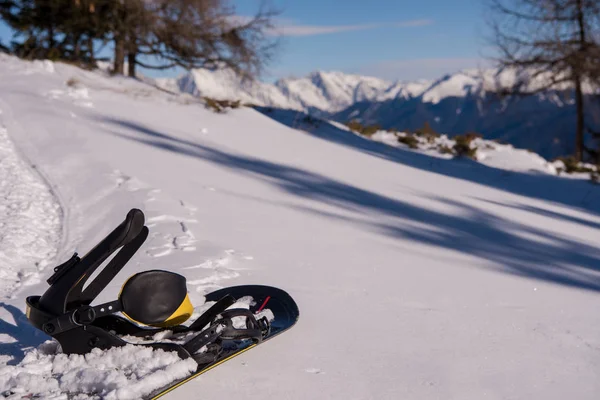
509, 246
546, 213
25, 336
573, 193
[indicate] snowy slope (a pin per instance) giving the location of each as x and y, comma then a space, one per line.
30, 223
417, 276
489, 153
454, 104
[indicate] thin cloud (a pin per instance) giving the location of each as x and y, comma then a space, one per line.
288, 27
312, 30
414, 23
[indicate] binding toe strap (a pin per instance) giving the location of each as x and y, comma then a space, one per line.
222, 329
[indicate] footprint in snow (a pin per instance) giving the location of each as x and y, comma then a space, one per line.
315, 371
85, 104
190, 208
156, 252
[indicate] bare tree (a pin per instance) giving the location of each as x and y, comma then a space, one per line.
130, 22
551, 44
163, 34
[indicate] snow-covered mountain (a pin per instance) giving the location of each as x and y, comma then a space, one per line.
331, 92
320, 92
417, 275
454, 104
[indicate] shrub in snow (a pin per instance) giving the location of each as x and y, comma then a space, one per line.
443, 149
409, 140
463, 145
354, 126
571, 165
427, 132
370, 130
367, 130
73, 82
221, 106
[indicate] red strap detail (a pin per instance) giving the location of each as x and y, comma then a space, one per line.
264, 304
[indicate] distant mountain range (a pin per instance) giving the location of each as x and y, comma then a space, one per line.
454, 104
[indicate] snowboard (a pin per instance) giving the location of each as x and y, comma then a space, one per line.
280, 303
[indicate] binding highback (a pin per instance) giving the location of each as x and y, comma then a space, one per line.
155, 300
66, 285
64, 310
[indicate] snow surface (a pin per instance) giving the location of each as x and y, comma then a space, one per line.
29, 222
457, 103
490, 153
119, 373
417, 276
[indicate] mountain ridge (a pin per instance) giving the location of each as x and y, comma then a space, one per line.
455, 103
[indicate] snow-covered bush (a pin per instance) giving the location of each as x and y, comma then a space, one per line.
427, 132
221, 106
571, 165
443, 149
366, 130
410, 140
463, 146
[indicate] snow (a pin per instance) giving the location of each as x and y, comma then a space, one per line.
127, 372
418, 276
30, 222
490, 153
457, 85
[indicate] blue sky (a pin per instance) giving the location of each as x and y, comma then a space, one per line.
391, 39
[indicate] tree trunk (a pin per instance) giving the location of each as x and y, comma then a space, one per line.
90, 45
131, 64
77, 49
578, 89
51, 42
119, 55
580, 119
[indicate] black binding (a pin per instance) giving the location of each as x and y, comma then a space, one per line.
64, 311
212, 313
65, 291
222, 329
